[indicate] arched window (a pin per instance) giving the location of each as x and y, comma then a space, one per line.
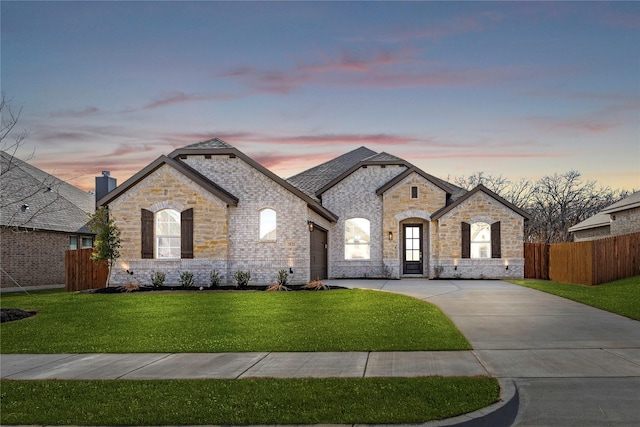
268, 224
167, 233
480, 240
357, 238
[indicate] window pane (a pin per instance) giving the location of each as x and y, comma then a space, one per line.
73, 242
87, 242
480, 240
267, 224
357, 238
168, 234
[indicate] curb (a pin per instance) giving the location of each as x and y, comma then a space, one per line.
500, 414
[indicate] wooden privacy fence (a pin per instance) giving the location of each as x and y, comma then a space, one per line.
587, 263
536, 261
81, 272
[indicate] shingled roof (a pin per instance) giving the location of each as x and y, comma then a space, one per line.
53, 204
312, 180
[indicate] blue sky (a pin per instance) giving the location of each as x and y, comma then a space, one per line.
518, 89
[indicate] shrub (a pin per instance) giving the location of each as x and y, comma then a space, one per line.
186, 278
215, 279
157, 278
282, 279
242, 278
316, 285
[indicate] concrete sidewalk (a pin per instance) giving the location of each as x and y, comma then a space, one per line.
573, 365
239, 365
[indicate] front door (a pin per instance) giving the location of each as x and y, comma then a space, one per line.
318, 254
412, 258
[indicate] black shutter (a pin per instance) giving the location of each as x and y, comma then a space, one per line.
147, 234
186, 234
495, 240
466, 240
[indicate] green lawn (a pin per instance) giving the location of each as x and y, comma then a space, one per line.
259, 401
621, 297
338, 320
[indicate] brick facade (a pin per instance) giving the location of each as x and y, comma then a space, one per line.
625, 222
32, 258
355, 197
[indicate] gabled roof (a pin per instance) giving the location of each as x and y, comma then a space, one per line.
446, 187
312, 180
479, 188
376, 159
53, 204
630, 202
217, 146
181, 167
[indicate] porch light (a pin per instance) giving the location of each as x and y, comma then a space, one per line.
391, 235
506, 264
310, 224
24, 207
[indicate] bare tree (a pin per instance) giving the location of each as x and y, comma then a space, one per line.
555, 202
22, 196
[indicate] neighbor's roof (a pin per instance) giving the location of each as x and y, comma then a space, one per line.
53, 204
631, 202
602, 218
598, 220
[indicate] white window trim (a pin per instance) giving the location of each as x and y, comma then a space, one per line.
157, 237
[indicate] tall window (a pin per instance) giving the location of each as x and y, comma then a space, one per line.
167, 234
480, 240
268, 224
357, 238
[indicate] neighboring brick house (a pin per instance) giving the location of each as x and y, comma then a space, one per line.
622, 217
209, 207
41, 217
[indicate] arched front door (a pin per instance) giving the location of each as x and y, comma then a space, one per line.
412, 259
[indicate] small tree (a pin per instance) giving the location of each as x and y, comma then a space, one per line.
107, 243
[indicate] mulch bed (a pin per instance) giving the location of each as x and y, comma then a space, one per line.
259, 288
11, 314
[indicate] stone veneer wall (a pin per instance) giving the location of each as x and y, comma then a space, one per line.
355, 197
32, 258
447, 261
168, 188
399, 207
625, 222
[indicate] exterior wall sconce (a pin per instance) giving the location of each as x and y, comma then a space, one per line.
310, 224
130, 272
506, 264
24, 207
455, 267
290, 270
455, 264
391, 235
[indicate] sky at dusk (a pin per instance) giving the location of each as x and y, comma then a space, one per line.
516, 89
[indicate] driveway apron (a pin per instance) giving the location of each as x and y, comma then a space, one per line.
574, 365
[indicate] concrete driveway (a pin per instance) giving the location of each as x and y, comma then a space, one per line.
573, 365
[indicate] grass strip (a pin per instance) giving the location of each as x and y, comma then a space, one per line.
620, 297
257, 401
211, 322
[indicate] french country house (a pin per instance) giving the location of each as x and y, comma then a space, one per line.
364, 214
